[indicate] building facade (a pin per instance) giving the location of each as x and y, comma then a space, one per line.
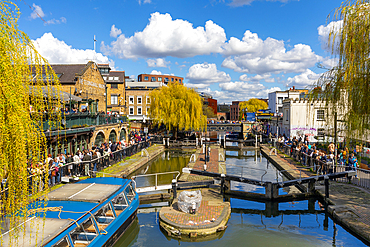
159, 78
115, 89
275, 100
85, 81
234, 110
138, 99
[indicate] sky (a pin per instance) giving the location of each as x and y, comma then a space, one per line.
232, 49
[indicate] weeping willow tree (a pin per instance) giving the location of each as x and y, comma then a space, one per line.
177, 107
252, 105
346, 87
28, 88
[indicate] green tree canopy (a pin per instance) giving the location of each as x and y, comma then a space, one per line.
252, 105
178, 107
346, 87
22, 141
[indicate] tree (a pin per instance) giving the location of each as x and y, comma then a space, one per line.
346, 87
252, 105
22, 141
208, 111
177, 107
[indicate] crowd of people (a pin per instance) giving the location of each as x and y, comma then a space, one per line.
86, 162
308, 154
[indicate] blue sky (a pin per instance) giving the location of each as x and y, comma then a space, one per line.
232, 49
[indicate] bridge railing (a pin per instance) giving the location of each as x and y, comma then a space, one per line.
156, 186
243, 168
362, 177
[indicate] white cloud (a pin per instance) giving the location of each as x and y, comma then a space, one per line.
164, 36
145, 1
203, 75
324, 32
257, 78
270, 56
114, 32
57, 51
238, 3
37, 12
305, 79
155, 72
159, 62
55, 21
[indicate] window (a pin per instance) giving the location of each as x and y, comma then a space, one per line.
320, 133
153, 78
119, 203
116, 78
131, 100
147, 99
172, 79
147, 110
105, 78
146, 78
139, 110
114, 85
131, 110
286, 116
104, 216
139, 99
280, 100
130, 193
320, 115
159, 78
113, 99
110, 78
166, 79
84, 233
180, 80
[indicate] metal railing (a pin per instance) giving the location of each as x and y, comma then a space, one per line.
74, 170
249, 168
362, 177
156, 185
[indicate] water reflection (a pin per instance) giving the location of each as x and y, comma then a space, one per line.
252, 223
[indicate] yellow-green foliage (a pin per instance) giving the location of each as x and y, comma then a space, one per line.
22, 142
346, 87
177, 106
252, 105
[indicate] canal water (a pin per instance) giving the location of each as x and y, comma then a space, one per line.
302, 223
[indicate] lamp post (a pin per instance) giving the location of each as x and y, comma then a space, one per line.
106, 99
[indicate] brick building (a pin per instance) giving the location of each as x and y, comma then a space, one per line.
115, 81
234, 110
83, 80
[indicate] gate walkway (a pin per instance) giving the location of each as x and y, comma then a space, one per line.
349, 204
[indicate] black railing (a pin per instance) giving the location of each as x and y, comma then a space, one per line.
81, 119
361, 176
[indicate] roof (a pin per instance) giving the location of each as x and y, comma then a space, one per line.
69, 71
115, 77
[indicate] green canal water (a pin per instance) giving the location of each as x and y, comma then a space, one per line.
302, 223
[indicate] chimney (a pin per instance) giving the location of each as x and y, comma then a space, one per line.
293, 87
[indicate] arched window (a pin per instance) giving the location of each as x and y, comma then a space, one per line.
113, 136
122, 135
99, 139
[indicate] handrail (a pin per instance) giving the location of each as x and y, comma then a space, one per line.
156, 176
241, 175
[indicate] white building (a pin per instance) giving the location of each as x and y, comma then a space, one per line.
307, 117
276, 98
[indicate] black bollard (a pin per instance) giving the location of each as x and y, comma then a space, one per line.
174, 188
222, 184
326, 187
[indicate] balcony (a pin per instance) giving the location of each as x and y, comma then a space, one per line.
81, 120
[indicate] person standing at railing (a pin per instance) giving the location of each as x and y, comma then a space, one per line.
94, 162
69, 161
86, 159
106, 157
76, 160
352, 162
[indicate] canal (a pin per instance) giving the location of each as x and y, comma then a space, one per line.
302, 223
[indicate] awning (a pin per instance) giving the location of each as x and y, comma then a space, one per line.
53, 92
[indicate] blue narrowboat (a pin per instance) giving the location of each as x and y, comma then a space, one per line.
91, 212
